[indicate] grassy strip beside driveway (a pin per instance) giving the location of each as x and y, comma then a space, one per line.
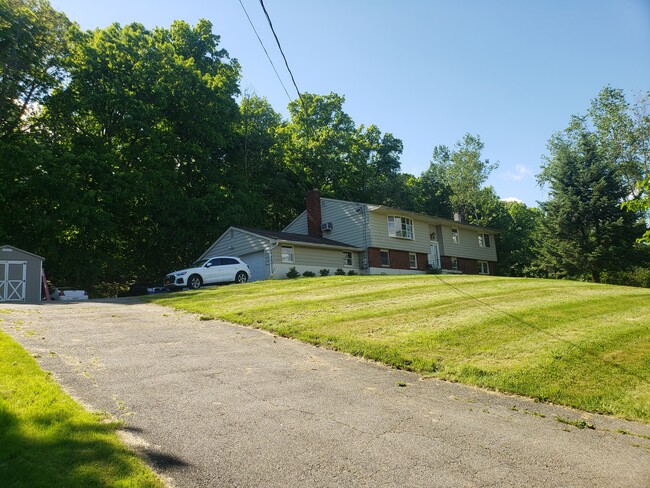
577, 344
47, 439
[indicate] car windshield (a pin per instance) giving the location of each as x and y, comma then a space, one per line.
200, 263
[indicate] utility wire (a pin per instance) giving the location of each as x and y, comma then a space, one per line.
283, 56
265, 51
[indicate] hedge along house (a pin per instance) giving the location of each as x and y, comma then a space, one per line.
20, 275
369, 239
394, 241
271, 254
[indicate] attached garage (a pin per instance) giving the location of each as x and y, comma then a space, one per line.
20, 275
258, 263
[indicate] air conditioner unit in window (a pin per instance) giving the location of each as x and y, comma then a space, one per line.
326, 226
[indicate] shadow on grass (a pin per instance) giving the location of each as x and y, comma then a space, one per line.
46, 452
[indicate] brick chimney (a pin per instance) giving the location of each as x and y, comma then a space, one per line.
314, 219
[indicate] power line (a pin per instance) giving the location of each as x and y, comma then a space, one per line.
265, 51
283, 56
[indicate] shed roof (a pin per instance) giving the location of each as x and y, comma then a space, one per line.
14, 248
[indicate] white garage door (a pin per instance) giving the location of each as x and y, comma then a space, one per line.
258, 265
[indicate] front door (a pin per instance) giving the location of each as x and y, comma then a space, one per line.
434, 255
12, 281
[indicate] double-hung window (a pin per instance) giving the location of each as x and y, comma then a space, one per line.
287, 254
454, 235
385, 257
413, 260
347, 258
400, 227
483, 267
484, 240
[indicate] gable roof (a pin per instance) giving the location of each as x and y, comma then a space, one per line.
14, 248
296, 238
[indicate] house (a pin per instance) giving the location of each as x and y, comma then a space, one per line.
369, 239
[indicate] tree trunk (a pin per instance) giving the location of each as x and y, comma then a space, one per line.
595, 276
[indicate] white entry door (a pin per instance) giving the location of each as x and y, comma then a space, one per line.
12, 281
434, 255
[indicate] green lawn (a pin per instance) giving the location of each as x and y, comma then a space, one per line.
46, 439
578, 344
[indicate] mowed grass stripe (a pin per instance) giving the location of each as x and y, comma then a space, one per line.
578, 344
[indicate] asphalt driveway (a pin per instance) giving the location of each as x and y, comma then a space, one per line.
213, 404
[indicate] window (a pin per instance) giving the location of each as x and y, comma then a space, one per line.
287, 254
400, 227
454, 264
413, 260
454, 235
385, 257
483, 267
347, 258
484, 240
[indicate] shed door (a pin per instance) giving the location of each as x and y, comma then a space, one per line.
258, 264
12, 281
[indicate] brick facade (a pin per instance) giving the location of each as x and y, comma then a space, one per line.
467, 266
398, 259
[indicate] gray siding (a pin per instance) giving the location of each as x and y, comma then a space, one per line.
381, 239
33, 283
467, 246
235, 242
348, 222
298, 226
315, 257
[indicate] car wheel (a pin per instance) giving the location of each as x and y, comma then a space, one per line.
241, 277
194, 282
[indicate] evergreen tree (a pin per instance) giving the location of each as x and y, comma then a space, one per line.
584, 230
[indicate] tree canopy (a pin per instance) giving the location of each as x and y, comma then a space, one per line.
125, 151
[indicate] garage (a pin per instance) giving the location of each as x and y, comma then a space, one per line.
258, 264
20, 275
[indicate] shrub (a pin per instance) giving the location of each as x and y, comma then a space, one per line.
309, 274
292, 273
324, 272
634, 277
351, 272
339, 272
108, 289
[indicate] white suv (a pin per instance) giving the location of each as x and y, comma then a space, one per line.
219, 269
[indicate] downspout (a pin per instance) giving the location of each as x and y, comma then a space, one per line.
270, 251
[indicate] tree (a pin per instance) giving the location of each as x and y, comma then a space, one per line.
583, 229
32, 46
142, 139
641, 204
324, 149
517, 241
464, 172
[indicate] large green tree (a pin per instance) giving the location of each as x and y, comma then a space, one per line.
584, 230
464, 172
142, 137
32, 46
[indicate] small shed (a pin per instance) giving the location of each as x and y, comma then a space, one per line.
20, 275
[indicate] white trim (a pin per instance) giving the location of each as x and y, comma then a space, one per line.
292, 255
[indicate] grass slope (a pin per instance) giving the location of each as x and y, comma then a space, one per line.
578, 344
47, 439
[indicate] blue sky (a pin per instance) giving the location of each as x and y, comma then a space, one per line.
510, 71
